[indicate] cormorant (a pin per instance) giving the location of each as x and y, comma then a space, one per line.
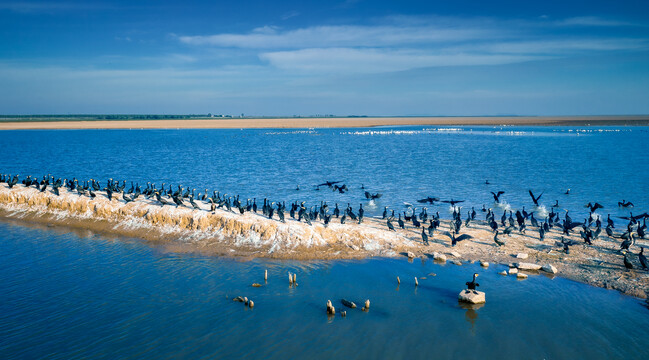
627, 263
497, 196
643, 259
498, 242
535, 199
471, 285
390, 226
594, 207
624, 203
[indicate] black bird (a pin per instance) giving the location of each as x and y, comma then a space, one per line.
594, 207
453, 202
498, 242
626, 244
455, 240
370, 196
390, 226
643, 259
625, 204
556, 204
328, 184
385, 212
401, 223
627, 263
535, 199
429, 200
424, 236
610, 222
497, 196
471, 285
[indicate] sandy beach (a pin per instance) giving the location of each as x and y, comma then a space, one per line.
342, 122
250, 235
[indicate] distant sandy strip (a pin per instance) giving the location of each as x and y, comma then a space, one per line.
227, 123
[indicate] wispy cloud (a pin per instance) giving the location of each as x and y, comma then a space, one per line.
347, 60
402, 43
593, 21
343, 36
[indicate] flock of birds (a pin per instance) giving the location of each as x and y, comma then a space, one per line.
589, 229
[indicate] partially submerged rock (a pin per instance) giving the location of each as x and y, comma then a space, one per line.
330, 308
484, 264
513, 271
472, 296
349, 304
503, 272
527, 266
439, 257
521, 276
550, 269
521, 256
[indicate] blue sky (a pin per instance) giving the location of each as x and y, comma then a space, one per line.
350, 57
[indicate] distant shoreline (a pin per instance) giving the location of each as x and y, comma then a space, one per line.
328, 122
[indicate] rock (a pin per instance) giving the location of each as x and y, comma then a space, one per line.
295, 279
398, 280
550, 269
416, 282
410, 255
256, 285
439, 257
455, 254
265, 275
484, 264
343, 313
349, 304
521, 256
330, 308
367, 305
472, 296
239, 299
251, 304
527, 266
513, 271
521, 276
456, 262
503, 272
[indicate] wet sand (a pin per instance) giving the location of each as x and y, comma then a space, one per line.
342, 122
225, 233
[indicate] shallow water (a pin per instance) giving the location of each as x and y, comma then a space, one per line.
598, 164
66, 295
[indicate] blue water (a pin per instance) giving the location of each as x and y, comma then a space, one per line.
599, 164
74, 294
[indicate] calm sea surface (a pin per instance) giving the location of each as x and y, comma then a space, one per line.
70, 294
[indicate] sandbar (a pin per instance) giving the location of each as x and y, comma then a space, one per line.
330, 122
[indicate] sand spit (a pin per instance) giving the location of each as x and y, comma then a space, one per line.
251, 235
344, 122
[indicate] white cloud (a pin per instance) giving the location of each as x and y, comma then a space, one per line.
344, 36
346, 60
591, 21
